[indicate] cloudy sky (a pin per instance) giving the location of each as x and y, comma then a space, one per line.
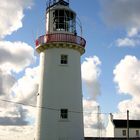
110, 67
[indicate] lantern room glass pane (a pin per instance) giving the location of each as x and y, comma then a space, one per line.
64, 20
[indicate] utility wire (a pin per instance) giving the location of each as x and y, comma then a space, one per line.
54, 109
34, 106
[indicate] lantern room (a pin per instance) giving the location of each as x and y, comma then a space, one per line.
60, 18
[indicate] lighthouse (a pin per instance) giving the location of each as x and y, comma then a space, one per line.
59, 99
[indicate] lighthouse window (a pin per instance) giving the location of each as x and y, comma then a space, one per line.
64, 59
64, 113
63, 20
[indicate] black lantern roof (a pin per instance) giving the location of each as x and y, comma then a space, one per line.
52, 3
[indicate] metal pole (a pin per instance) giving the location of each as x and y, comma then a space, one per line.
98, 122
127, 124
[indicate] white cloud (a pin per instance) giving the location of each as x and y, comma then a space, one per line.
132, 32
17, 132
15, 56
131, 39
12, 112
127, 42
11, 15
90, 76
132, 105
126, 75
129, 104
23, 91
6, 83
30, 81
92, 125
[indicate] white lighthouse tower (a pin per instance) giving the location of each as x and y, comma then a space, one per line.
59, 102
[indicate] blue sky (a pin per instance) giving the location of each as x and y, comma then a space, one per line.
110, 65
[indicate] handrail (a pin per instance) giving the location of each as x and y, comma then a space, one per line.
60, 37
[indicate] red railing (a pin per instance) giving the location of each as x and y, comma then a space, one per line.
60, 37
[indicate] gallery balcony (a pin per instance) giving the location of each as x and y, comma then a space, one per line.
61, 39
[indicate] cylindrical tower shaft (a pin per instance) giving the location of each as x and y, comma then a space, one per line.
60, 110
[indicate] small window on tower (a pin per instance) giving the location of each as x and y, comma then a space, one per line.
64, 113
64, 59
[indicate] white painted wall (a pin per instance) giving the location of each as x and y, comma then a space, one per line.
132, 132
118, 132
110, 128
60, 87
